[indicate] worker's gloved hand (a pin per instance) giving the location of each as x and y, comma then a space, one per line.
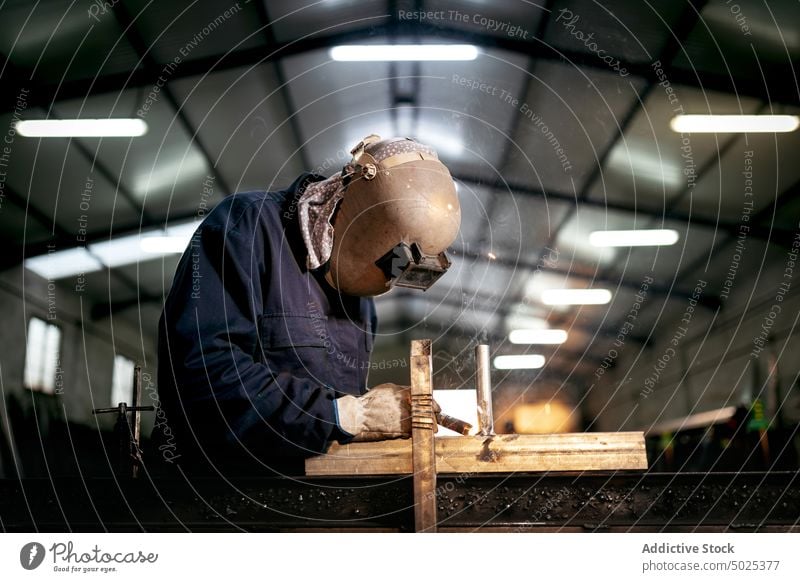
384, 412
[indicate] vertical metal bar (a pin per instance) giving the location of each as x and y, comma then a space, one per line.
123, 433
136, 420
137, 402
423, 425
484, 391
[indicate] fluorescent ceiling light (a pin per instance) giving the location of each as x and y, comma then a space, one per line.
404, 52
170, 172
60, 264
161, 245
646, 165
633, 238
525, 362
576, 296
522, 317
144, 246
175, 240
116, 252
734, 123
438, 138
537, 336
81, 127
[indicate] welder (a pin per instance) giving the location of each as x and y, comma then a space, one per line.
266, 335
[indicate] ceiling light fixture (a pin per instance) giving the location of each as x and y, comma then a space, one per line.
537, 336
734, 123
644, 164
81, 127
162, 245
404, 52
524, 362
450, 145
576, 296
116, 252
633, 238
61, 264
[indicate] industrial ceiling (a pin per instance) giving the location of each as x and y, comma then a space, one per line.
250, 100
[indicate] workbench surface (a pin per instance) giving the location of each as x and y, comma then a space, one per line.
613, 501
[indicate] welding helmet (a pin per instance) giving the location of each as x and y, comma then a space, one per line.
398, 213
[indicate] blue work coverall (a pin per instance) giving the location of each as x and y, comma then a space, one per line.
253, 347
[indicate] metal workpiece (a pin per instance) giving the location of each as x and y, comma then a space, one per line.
462, 427
483, 379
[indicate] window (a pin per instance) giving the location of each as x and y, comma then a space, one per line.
42, 356
122, 381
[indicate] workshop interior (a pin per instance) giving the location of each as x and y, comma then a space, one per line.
608, 342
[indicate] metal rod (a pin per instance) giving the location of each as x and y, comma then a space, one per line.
127, 409
460, 426
484, 391
136, 420
137, 402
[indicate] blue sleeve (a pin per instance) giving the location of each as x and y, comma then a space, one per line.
210, 330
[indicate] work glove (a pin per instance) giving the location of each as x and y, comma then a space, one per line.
383, 413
